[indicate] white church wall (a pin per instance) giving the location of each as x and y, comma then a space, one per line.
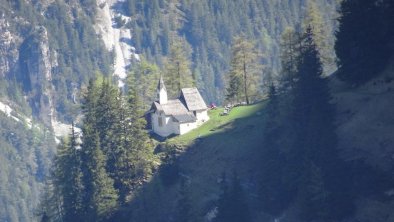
186, 127
202, 116
166, 128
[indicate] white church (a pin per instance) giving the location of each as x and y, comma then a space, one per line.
177, 116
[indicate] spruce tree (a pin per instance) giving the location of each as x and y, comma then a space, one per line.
362, 42
275, 190
103, 197
289, 54
141, 145
245, 73
234, 88
68, 180
184, 207
177, 68
107, 117
133, 149
100, 198
316, 142
232, 205
314, 19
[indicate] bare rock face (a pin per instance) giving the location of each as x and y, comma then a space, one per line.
8, 48
36, 73
116, 37
28, 61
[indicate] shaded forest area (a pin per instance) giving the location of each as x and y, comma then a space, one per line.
299, 170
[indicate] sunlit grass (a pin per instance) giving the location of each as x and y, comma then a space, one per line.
217, 122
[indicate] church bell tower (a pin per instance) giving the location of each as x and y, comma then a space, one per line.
162, 91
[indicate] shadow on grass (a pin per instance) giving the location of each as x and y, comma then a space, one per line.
200, 164
235, 146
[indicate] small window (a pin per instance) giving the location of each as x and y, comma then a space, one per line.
160, 121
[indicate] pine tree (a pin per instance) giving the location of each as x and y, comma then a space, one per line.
68, 179
177, 68
234, 89
315, 138
133, 149
245, 72
276, 192
232, 205
290, 52
100, 198
361, 54
103, 199
140, 143
314, 196
145, 75
184, 207
314, 19
107, 117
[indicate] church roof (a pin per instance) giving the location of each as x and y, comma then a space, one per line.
192, 99
185, 118
181, 109
172, 107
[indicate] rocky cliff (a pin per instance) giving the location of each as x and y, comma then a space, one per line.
48, 51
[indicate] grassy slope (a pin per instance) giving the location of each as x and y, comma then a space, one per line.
217, 123
226, 144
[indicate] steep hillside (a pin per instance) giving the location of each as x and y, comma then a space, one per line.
229, 147
48, 50
26, 150
365, 125
207, 28
365, 119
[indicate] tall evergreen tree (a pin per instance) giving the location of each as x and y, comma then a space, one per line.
145, 75
134, 150
314, 19
289, 55
68, 180
232, 205
362, 45
245, 72
177, 68
107, 117
184, 207
276, 190
316, 141
100, 198
234, 88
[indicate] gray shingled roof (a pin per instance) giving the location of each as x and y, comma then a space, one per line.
172, 107
185, 118
181, 109
192, 99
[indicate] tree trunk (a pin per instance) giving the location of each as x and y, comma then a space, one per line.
245, 81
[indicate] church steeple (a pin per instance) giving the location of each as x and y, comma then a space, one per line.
162, 91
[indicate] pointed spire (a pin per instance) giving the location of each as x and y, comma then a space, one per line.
162, 91
161, 85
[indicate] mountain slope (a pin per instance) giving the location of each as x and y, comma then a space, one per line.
231, 147
365, 119
48, 50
